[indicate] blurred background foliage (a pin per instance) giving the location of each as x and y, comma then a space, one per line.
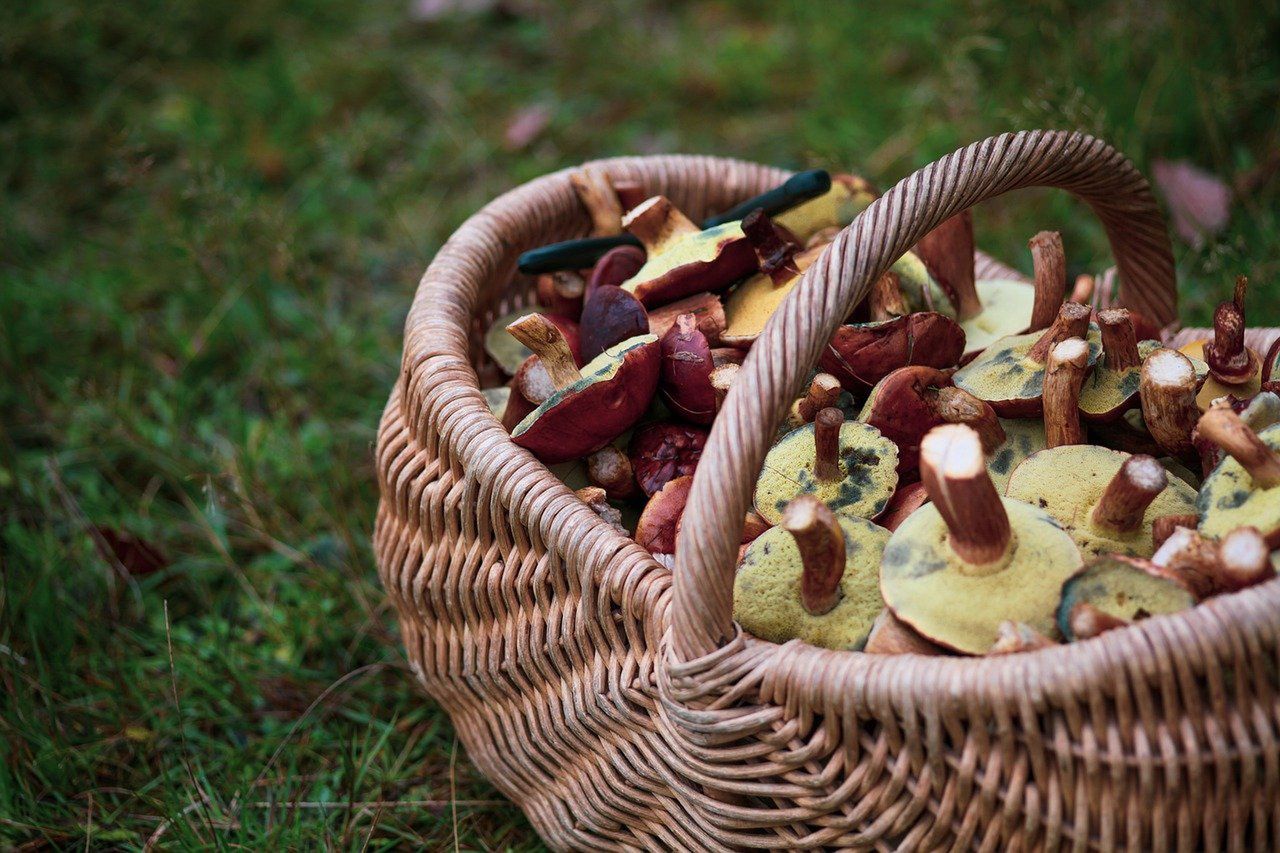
214, 216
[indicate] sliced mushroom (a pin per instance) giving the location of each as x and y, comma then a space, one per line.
1010, 373
682, 258
848, 466
661, 451
812, 578
610, 395
970, 560
1124, 588
1244, 490
1107, 500
837, 207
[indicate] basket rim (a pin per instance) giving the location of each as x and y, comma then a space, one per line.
436, 370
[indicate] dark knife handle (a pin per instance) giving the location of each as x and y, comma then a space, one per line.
577, 254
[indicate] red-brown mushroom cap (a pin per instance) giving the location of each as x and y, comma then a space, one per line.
664, 450
656, 530
685, 375
861, 354
610, 316
683, 259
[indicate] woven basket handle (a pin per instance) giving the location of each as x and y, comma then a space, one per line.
702, 606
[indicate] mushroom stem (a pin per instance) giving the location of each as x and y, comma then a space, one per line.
722, 376
1063, 378
775, 255
821, 544
885, 299
1124, 502
1082, 292
561, 292
1244, 559
1050, 264
548, 343
1013, 637
1163, 527
826, 445
1209, 567
1119, 341
1222, 426
1088, 621
656, 222
1168, 394
1072, 322
1228, 358
597, 195
610, 469
947, 251
954, 471
823, 392
891, 636
958, 406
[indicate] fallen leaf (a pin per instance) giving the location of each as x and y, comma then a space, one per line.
1199, 202
137, 555
526, 125
428, 11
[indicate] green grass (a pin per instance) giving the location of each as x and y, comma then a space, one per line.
213, 221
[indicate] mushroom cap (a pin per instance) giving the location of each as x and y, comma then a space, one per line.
921, 581
1107, 393
509, 354
1228, 498
1006, 310
900, 408
1271, 362
920, 290
1213, 388
1124, 588
663, 450
1068, 481
1023, 437
766, 592
659, 522
753, 302
868, 460
706, 260
837, 207
614, 392
1009, 379
862, 354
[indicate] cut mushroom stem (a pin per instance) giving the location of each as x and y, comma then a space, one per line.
548, 343
1123, 505
1088, 621
1222, 426
1228, 357
947, 251
1014, 637
1063, 378
561, 292
610, 469
822, 554
656, 222
1082, 292
775, 254
823, 393
598, 196
722, 377
1244, 559
1164, 526
1072, 322
885, 299
826, 443
1119, 341
1209, 567
954, 471
1050, 263
1168, 393
958, 406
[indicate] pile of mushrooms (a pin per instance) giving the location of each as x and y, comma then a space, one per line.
977, 467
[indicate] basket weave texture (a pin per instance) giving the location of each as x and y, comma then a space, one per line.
619, 705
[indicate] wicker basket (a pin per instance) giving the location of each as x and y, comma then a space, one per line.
620, 706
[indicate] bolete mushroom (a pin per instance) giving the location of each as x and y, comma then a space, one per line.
1244, 490
1122, 587
1167, 388
682, 258
1023, 437
824, 392
861, 354
1063, 378
848, 196
610, 469
849, 466
509, 353
660, 520
1009, 374
663, 450
1112, 388
813, 578
610, 316
1240, 559
706, 308
685, 375
970, 559
1106, 500
561, 292
1233, 367
615, 267
590, 407
891, 636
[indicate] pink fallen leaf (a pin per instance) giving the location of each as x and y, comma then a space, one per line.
429, 11
1199, 202
526, 125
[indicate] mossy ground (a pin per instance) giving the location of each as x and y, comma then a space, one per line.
214, 217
